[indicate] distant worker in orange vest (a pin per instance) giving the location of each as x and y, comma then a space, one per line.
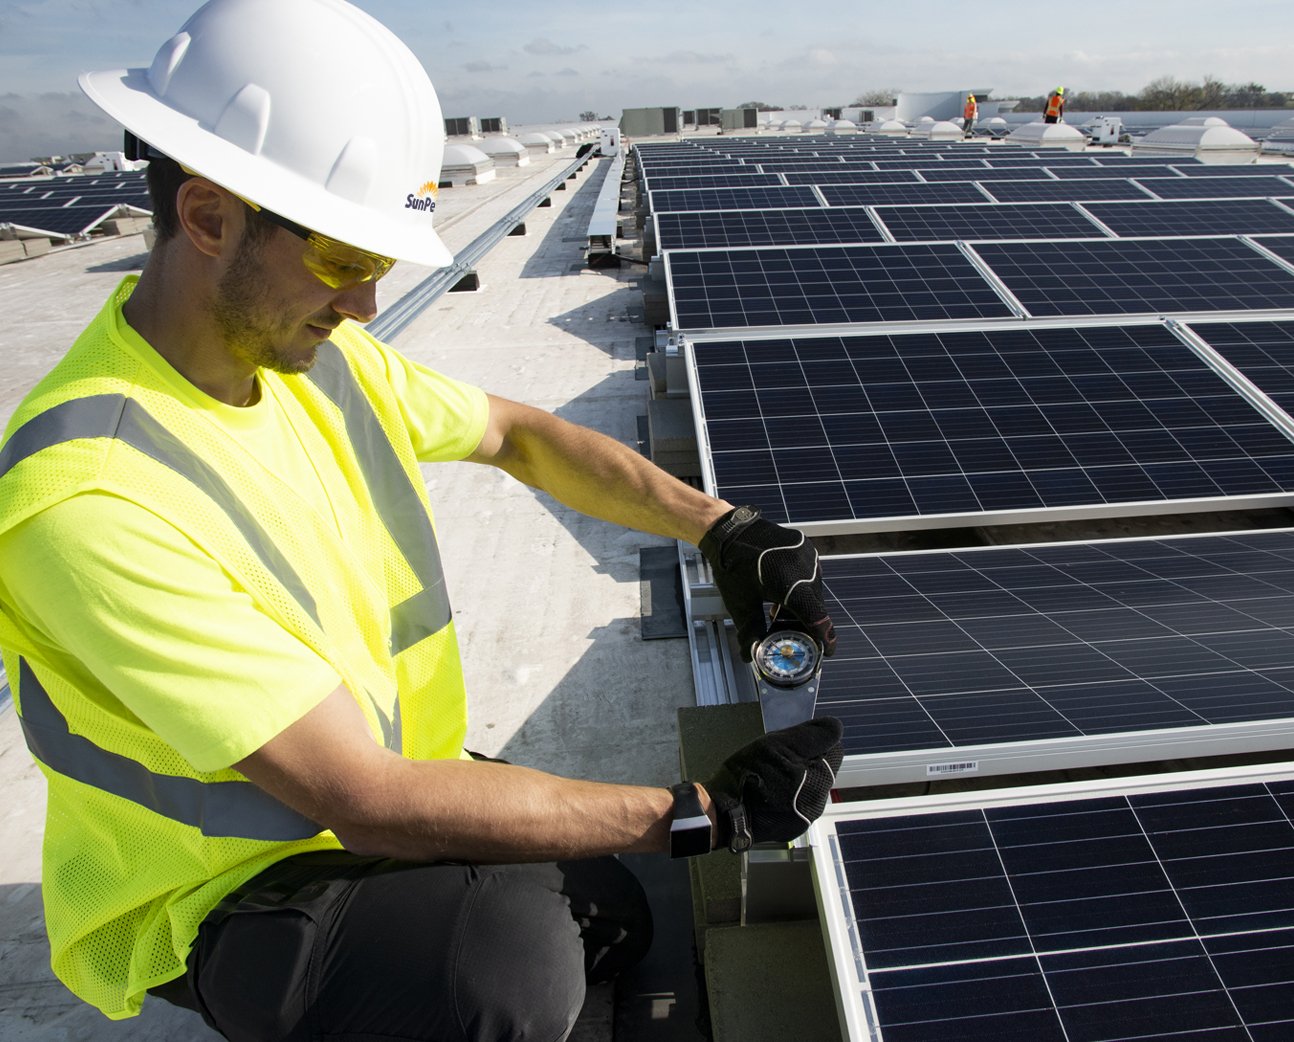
969, 114
1055, 106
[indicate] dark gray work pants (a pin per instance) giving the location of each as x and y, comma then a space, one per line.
331, 946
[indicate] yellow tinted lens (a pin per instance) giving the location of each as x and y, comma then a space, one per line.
337, 265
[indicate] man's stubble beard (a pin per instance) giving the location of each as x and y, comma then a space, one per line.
240, 299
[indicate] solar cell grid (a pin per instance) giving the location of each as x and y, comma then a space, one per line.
870, 194
873, 432
1217, 187
721, 228
1262, 351
996, 174
58, 220
751, 180
771, 198
1139, 276
723, 289
1143, 915
1187, 217
1128, 170
945, 223
851, 175
1235, 170
1081, 190
1282, 246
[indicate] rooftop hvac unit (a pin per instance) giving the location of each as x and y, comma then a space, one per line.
1106, 130
494, 125
463, 126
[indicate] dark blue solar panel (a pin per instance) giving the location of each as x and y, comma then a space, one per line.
969, 648
1236, 170
732, 198
1081, 190
1218, 187
1128, 170
722, 228
986, 221
871, 194
1148, 916
1283, 247
1262, 351
850, 175
59, 220
723, 289
1138, 276
951, 426
708, 180
1194, 217
983, 174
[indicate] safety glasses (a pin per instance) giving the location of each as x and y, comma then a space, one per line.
335, 264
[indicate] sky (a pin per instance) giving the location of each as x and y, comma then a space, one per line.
548, 62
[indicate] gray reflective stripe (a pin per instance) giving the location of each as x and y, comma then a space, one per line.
233, 809
116, 416
403, 513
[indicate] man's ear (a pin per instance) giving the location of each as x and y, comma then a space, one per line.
209, 216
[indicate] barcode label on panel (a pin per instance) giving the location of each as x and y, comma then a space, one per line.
934, 770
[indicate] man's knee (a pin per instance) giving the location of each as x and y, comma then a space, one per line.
519, 971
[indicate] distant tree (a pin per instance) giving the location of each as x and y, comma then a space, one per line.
878, 96
762, 106
588, 117
1168, 94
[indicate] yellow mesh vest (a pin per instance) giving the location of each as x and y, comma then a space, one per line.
139, 846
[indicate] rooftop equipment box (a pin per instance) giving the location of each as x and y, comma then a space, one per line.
650, 122
463, 126
740, 119
494, 125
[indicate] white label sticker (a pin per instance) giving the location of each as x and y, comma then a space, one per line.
935, 770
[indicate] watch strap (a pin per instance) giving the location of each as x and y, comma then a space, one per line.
689, 830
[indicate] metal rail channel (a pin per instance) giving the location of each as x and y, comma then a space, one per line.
393, 321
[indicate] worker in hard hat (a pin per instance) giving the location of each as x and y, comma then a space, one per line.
225, 618
1055, 110
969, 114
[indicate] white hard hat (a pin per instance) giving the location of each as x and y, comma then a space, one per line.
309, 108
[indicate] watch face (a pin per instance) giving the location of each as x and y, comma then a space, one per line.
787, 657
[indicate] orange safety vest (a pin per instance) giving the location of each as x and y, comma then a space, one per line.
972, 108
1054, 104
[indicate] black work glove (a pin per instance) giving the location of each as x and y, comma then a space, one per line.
774, 788
754, 561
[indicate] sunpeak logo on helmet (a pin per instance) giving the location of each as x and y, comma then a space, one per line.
420, 201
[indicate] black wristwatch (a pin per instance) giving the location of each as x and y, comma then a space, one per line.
689, 831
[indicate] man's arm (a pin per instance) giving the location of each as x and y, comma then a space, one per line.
327, 766
593, 473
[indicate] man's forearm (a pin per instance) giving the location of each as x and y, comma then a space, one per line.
490, 812
599, 476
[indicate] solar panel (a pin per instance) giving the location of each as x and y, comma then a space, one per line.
771, 198
1282, 247
986, 221
997, 174
869, 194
1047, 656
708, 180
1193, 217
59, 221
721, 228
1262, 351
850, 175
919, 430
1128, 170
1139, 276
724, 289
1146, 909
1217, 187
1237, 170
1060, 191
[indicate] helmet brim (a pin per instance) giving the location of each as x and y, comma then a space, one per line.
124, 94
